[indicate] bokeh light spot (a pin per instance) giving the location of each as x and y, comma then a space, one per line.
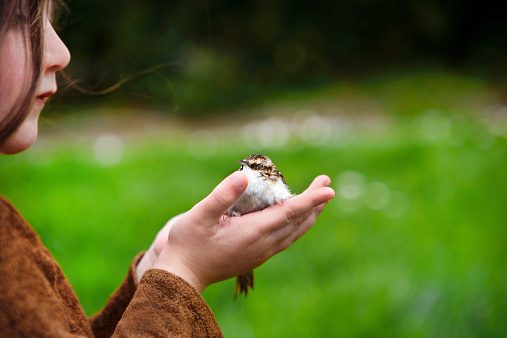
108, 149
267, 134
377, 195
495, 119
316, 129
349, 187
434, 125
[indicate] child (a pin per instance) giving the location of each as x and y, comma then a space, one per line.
161, 293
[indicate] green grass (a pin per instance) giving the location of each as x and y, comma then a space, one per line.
421, 252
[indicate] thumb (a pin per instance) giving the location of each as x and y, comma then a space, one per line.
222, 197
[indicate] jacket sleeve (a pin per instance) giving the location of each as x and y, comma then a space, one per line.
36, 300
166, 305
104, 322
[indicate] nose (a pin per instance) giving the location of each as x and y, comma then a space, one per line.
56, 54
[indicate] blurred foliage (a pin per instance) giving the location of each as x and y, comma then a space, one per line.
224, 54
414, 243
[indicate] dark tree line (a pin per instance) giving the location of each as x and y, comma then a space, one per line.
225, 52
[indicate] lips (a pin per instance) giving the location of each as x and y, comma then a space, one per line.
44, 96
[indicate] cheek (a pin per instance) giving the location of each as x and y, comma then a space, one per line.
13, 74
13, 71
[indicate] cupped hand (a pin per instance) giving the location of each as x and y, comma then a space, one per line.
151, 255
203, 246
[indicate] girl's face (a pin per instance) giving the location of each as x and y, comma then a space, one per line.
13, 72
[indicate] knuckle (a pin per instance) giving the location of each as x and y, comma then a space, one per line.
297, 233
298, 221
301, 226
295, 236
291, 215
284, 245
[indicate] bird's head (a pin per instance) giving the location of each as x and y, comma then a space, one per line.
263, 165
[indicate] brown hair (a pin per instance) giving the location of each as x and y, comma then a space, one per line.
34, 10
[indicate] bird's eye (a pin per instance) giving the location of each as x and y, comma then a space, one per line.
258, 166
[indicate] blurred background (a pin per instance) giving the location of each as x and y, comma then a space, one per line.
401, 103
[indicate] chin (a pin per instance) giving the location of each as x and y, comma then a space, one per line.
8, 149
25, 136
17, 143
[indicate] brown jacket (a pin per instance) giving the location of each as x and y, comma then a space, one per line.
36, 300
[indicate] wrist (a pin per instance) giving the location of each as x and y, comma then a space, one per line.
145, 263
177, 267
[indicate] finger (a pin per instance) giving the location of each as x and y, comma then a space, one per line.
161, 238
319, 182
221, 198
285, 231
294, 231
297, 206
293, 209
299, 226
319, 208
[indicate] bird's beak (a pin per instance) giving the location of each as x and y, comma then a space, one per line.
243, 162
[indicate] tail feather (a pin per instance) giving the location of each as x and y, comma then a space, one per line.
243, 282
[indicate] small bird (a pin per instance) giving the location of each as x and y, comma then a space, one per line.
266, 186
